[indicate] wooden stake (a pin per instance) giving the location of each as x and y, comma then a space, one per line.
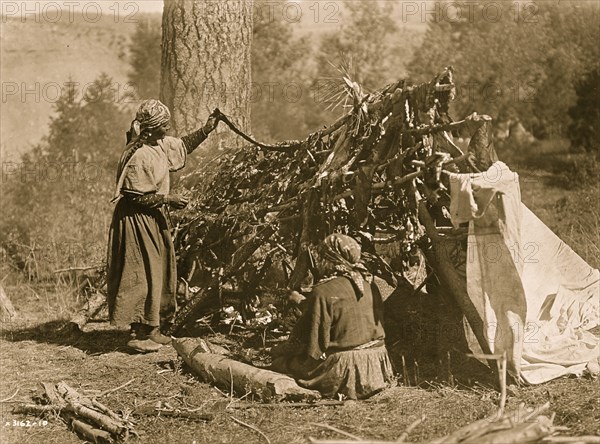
405, 372
503, 363
572, 439
416, 372
84, 407
345, 441
105, 410
151, 411
10, 397
116, 388
450, 375
36, 409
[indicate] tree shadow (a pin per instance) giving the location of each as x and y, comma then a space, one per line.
60, 332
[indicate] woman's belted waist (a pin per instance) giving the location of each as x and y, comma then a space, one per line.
371, 344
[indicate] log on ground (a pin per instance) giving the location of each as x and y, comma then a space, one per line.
7, 310
93, 307
223, 372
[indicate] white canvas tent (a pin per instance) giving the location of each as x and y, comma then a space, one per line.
536, 297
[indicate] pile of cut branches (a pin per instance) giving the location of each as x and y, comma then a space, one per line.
86, 416
365, 176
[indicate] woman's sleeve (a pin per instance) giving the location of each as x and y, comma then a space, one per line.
176, 152
193, 140
151, 200
318, 325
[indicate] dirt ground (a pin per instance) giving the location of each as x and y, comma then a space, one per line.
97, 361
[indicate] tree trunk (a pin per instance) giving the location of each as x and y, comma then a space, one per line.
206, 64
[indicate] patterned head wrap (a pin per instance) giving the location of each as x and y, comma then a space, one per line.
339, 255
151, 114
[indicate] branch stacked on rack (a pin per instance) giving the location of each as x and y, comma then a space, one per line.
363, 176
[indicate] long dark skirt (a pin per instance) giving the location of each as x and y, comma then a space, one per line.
356, 374
141, 266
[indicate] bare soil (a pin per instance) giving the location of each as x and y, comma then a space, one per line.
96, 361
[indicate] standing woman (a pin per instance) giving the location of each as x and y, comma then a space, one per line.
142, 274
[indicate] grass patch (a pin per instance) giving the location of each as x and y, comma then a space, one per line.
562, 168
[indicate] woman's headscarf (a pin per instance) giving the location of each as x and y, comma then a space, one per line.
339, 255
151, 114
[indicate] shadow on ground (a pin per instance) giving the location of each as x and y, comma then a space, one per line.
426, 341
60, 332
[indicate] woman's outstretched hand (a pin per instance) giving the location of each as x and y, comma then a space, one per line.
177, 201
212, 122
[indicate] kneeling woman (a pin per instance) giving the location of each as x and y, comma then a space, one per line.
337, 345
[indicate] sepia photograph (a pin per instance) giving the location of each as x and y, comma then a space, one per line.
300, 221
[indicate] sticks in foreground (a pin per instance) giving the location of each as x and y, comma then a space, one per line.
514, 427
252, 428
87, 417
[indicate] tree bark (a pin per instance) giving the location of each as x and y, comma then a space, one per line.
224, 372
206, 64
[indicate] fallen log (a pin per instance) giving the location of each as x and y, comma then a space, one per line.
7, 310
94, 305
239, 377
205, 346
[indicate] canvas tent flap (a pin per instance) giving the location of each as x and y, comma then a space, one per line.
537, 298
493, 276
563, 304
